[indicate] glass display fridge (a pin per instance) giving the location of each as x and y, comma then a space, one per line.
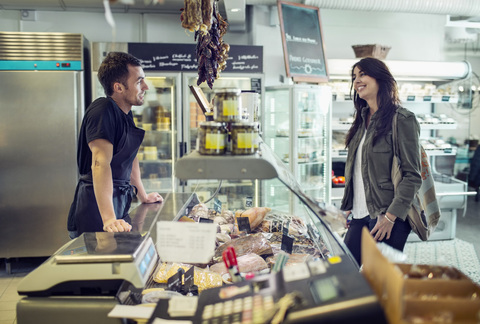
297, 128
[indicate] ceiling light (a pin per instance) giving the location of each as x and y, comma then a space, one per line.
235, 10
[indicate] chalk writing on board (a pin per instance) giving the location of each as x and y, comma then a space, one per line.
181, 57
302, 42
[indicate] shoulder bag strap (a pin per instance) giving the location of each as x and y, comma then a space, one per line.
394, 137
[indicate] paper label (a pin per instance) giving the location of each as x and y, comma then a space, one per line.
186, 242
215, 141
296, 272
230, 108
245, 140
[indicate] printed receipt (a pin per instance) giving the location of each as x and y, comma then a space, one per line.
186, 242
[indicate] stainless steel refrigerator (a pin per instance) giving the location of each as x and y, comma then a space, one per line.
42, 100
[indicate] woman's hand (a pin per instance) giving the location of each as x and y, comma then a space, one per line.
383, 227
348, 218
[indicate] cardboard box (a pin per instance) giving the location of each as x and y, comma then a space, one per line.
448, 296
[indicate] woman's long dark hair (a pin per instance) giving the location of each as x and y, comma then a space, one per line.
387, 97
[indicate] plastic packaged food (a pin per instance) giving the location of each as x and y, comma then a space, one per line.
212, 138
203, 278
227, 105
244, 138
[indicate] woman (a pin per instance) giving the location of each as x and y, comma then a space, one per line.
369, 195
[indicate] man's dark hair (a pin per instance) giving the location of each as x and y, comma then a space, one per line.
114, 68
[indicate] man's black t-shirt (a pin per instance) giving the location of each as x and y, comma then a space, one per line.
103, 120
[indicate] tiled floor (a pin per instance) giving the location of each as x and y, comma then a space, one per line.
468, 228
8, 286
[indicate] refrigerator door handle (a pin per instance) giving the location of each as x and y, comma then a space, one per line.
182, 148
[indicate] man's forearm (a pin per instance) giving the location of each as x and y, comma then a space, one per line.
103, 189
136, 180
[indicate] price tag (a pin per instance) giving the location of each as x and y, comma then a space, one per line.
410, 98
188, 278
286, 226
174, 283
217, 205
427, 98
446, 98
249, 202
244, 224
287, 243
276, 226
311, 231
205, 220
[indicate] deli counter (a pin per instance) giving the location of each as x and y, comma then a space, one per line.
291, 267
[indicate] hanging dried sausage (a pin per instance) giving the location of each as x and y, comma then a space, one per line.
209, 27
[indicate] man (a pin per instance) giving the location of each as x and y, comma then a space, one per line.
107, 147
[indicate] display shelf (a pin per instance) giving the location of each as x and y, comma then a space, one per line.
342, 154
155, 161
408, 98
227, 167
345, 126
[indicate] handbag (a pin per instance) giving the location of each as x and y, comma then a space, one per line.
424, 213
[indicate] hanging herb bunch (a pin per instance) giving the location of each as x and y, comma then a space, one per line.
203, 18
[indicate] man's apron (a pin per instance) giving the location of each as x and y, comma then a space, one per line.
84, 215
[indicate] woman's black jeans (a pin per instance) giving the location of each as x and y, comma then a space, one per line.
353, 238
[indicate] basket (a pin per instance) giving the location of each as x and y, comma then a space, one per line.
377, 51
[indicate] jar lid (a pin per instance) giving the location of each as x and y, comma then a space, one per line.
228, 90
211, 124
244, 124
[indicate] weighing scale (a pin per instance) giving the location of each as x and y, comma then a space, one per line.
94, 264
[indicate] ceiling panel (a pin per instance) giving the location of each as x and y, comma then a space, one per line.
161, 6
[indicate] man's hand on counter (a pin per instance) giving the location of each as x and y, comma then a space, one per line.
116, 225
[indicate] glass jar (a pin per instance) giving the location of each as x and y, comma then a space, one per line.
244, 138
227, 105
212, 137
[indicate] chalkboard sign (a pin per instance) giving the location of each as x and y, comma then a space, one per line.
181, 57
302, 42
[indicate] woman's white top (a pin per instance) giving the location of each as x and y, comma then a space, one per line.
359, 209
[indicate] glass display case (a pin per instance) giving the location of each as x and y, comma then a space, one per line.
297, 128
285, 255
158, 117
321, 221
309, 238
